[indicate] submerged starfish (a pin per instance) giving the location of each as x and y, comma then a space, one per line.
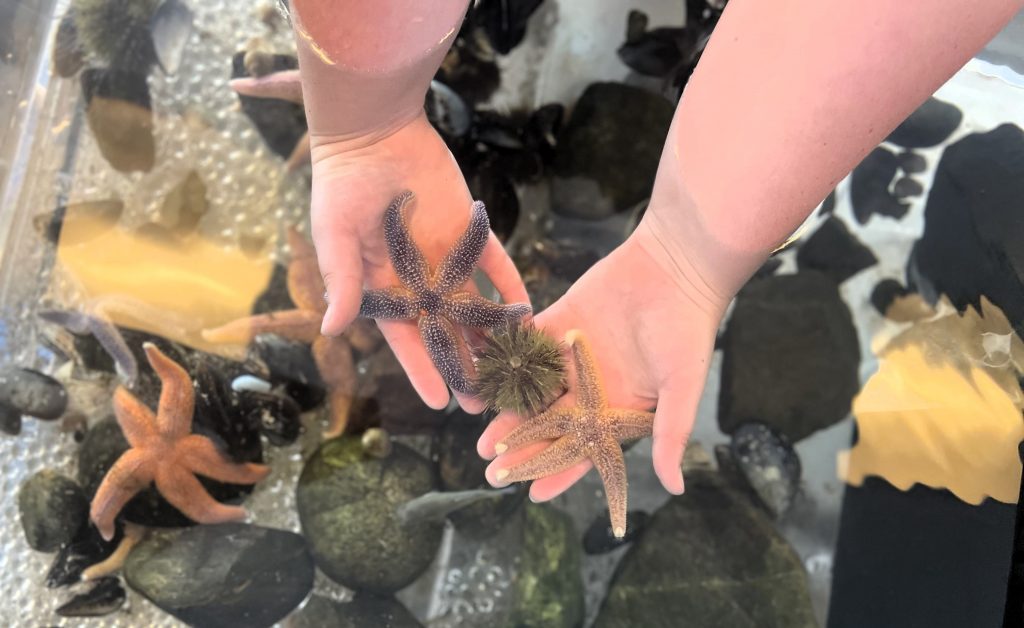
163, 451
590, 429
437, 298
333, 354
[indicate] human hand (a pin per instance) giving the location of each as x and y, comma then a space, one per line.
354, 180
651, 322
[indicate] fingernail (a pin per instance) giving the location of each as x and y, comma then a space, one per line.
501, 475
500, 448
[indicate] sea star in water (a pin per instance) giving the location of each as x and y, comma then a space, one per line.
590, 429
333, 354
437, 298
163, 451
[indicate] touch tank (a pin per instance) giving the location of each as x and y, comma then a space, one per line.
870, 477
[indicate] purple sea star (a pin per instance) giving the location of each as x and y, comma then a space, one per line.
437, 298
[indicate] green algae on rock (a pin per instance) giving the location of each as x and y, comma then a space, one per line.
363, 611
548, 588
713, 558
347, 503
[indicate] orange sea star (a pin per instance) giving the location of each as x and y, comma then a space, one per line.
163, 451
588, 430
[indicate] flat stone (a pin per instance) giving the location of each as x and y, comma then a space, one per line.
769, 464
869, 187
347, 503
798, 321
105, 597
33, 393
364, 611
52, 508
222, 575
929, 125
834, 251
706, 560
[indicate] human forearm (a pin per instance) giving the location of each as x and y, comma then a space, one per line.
366, 67
786, 100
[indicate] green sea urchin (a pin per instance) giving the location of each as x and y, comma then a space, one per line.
520, 368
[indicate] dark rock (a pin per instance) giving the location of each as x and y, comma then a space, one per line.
608, 152
768, 269
347, 503
972, 229
394, 402
471, 75
221, 416
869, 187
291, 363
933, 122
68, 55
502, 202
446, 110
118, 32
907, 187
460, 469
912, 163
801, 322
33, 393
186, 204
503, 22
543, 128
652, 53
280, 123
769, 464
170, 28
120, 116
10, 420
885, 292
103, 445
52, 509
363, 611
277, 417
223, 575
87, 549
730, 567
106, 597
275, 297
834, 251
548, 589
549, 268
599, 539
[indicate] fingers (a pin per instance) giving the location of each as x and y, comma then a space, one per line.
502, 424
544, 489
284, 85
339, 256
502, 272
404, 339
673, 422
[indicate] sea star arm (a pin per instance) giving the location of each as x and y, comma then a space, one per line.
137, 421
410, 266
129, 475
105, 332
199, 455
551, 424
607, 458
558, 456
475, 311
177, 397
588, 384
301, 325
457, 266
305, 285
629, 425
389, 303
333, 358
446, 350
179, 487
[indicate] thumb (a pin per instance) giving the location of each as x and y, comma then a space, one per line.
341, 265
673, 422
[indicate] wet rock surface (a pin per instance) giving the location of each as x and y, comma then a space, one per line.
929, 125
801, 322
834, 251
869, 187
120, 116
347, 502
10, 420
548, 590
52, 508
86, 549
390, 398
362, 612
730, 568
33, 393
105, 597
599, 539
291, 364
609, 150
769, 464
223, 575
972, 229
